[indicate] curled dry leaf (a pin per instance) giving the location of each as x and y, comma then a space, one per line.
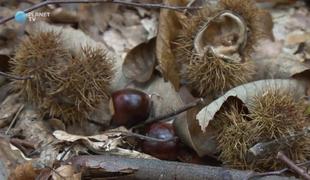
139, 63
130, 153
24, 146
102, 142
245, 93
196, 133
189, 131
169, 26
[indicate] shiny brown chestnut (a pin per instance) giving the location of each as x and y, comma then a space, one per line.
166, 150
129, 107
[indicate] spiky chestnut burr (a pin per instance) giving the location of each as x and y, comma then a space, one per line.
214, 46
39, 56
276, 115
63, 85
85, 83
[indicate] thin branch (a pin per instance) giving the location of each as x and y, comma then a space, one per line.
261, 149
274, 173
10, 76
174, 113
52, 169
14, 119
300, 171
66, 152
148, 138
145, 5
40, 148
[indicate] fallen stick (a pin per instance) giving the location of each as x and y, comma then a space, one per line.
300, 171
107, 166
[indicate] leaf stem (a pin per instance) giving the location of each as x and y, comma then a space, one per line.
173, 113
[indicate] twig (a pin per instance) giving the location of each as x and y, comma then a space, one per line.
145, 5
52, 169
174, 113
261, 149
66, 152
139, 136
293, 166
10, 76
274, 173
40, 148
14, 119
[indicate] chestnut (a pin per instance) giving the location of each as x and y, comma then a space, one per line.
166, 150
129, 107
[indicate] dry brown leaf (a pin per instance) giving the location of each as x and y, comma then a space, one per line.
97, 15
24, 172
62, 15
31, 124
9, 159
9, 33
295, 38
102, 142
168, 30
66, 172
189, 131
273, 62
140, 62
128, 26
266, 23
56, 124
24, 146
